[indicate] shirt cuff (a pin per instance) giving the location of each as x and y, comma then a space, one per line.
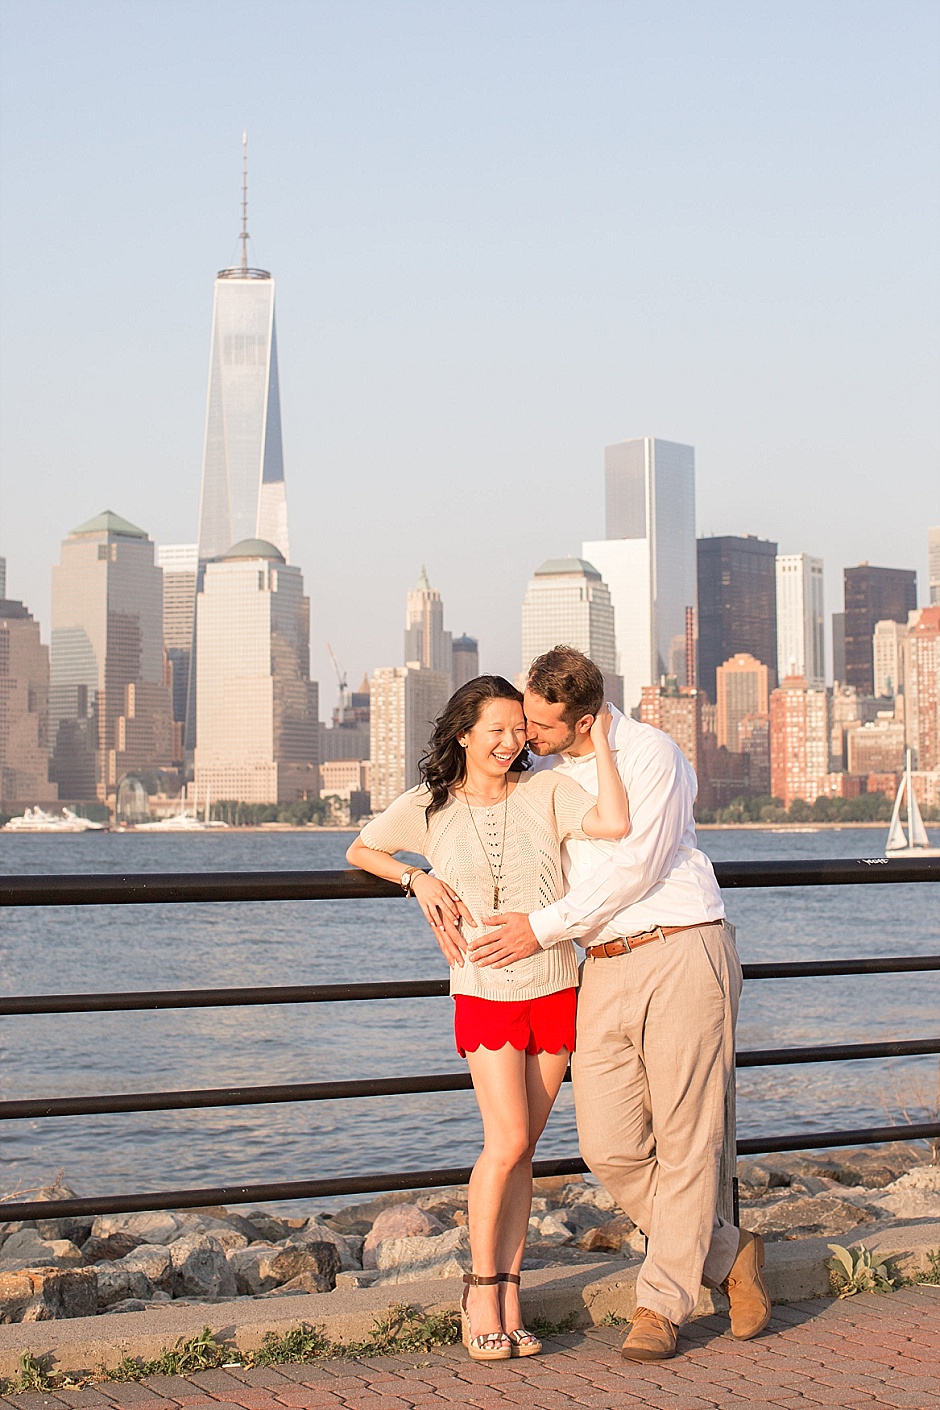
547, 926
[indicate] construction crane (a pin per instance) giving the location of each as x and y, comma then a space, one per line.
341, 681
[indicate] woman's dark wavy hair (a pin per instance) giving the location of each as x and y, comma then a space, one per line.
445, 763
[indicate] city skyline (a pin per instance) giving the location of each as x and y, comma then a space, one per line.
431, 297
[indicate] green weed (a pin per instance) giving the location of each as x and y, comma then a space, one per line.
857, 1270
931, 1274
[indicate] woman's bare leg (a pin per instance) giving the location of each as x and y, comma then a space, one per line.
544, 1074
500, 1087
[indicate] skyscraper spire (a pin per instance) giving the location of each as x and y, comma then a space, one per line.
244, 237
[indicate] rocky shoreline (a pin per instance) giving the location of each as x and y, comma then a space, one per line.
80, 1267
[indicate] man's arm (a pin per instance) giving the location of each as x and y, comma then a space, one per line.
660, 793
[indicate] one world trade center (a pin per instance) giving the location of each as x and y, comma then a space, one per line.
243, 494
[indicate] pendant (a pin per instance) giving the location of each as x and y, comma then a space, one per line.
496, 897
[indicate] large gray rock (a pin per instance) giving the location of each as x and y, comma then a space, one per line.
399, 1221
156, 1264
200, 1267
117, 1283
359, 1218
262, 1267
42, 1294
160, 1227
76, 1228
348, 1249
446, 1255
589, 1195
25, 1249
109, 1249
799, 1217
551, 1229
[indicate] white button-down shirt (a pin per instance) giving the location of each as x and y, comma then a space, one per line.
654, 876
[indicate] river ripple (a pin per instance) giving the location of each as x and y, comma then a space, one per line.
168, 947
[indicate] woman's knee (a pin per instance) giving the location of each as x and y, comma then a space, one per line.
508, 1150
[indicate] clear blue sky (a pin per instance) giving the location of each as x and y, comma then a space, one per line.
504, 234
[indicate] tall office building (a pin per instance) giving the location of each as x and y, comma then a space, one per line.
647, 558
742, 690
568, 604
180, 565
109, 706
933, 563
677, 711
799, 741
3, 579
888, 658
257, 708
838, 647
405, 702
24, 709
872, 595
737, 604
922, 687
801, 649
243, 494
466, 660
426, 642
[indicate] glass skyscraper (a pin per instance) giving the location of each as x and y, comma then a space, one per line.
243, 494
647, 559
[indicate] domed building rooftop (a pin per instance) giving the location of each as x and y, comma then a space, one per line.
252, 548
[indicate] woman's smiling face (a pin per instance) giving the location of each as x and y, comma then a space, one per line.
496, 739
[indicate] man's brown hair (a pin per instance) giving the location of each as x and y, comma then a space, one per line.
565, 676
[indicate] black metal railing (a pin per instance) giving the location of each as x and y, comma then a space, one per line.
293, 886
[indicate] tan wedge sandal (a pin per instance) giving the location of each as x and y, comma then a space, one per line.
486, 1346
523, 1343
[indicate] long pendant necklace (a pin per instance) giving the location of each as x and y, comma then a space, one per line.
496, 875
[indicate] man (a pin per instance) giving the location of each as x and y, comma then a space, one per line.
656, 1010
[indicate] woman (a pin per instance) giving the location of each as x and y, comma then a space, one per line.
493, 834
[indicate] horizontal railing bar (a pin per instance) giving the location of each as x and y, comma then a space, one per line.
413, 1179
222, 998
822, 1140
835, 1052
807, 969
232, 1096
32, 1107
158, 888
391, 989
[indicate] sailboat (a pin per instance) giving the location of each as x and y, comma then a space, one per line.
917, 844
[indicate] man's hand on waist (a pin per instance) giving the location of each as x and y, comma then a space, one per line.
511, 938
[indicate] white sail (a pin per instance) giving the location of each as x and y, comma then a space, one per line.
919, 836
897, 842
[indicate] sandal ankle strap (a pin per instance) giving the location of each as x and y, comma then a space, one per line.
511, 1278
476, 1280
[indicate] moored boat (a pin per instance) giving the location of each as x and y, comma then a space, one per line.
914, 842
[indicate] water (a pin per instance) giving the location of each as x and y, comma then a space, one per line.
166, 947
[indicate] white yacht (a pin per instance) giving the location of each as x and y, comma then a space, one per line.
914, 842
37, 820
182, 821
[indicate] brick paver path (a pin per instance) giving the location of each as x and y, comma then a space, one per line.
864, 1351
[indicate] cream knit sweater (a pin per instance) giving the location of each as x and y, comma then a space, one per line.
542, 810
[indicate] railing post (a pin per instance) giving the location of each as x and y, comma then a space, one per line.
728, 1166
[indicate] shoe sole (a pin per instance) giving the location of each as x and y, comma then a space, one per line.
640, 1354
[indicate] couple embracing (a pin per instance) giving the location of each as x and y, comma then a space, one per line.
591, 840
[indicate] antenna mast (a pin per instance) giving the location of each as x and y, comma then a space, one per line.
244, 237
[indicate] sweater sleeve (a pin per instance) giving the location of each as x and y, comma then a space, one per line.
402, 827
571, 804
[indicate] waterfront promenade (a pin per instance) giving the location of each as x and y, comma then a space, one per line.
864, 1351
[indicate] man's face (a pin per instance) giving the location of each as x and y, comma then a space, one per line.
547, 731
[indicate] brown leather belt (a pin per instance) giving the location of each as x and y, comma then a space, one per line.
642, 937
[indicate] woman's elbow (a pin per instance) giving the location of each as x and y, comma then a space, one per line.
622, 831
351, 853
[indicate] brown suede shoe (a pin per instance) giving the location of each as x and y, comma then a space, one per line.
652, 1338
745, 1288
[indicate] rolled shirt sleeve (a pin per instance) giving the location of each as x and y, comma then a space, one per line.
661, 792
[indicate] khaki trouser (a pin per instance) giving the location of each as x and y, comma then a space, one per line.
655, 1052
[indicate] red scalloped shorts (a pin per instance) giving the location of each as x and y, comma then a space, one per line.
543, 1025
